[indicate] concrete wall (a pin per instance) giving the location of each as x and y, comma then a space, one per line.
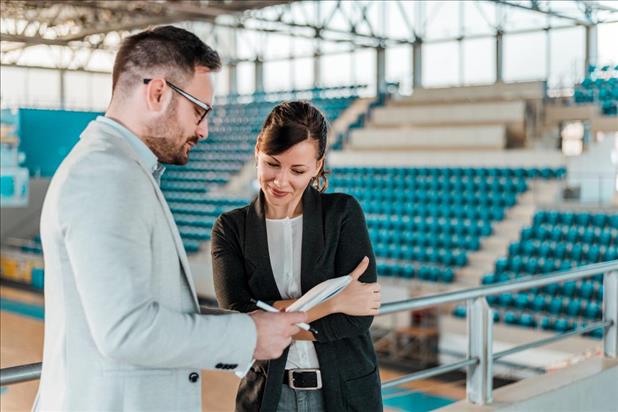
463, 113
468, 137
500, 91
555, 114
587, 386
594, 171
452, 158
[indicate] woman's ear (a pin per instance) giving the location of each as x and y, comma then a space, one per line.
319, 165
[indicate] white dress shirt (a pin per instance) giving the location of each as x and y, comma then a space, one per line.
285, 241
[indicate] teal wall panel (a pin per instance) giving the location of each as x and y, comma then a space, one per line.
47, 136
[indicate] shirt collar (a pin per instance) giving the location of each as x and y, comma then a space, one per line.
146, 156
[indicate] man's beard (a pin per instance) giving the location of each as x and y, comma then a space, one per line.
165, 139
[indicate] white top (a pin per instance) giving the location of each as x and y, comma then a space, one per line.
285, 241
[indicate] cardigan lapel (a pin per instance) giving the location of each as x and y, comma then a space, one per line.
256, 248
313, 239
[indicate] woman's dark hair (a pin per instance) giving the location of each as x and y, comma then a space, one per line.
290, 123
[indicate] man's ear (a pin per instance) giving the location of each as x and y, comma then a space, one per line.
157, 97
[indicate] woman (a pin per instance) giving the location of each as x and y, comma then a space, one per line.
289, 239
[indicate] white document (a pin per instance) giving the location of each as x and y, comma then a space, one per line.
320, 293
317, 294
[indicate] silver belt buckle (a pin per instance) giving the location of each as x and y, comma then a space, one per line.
318, 379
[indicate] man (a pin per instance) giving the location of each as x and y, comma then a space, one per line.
122, 323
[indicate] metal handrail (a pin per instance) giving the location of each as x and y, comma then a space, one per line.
497, 288
442, 369
552, 339
480, 357
479, 386
18, 374
429, 373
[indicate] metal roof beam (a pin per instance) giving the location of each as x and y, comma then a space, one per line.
32, 40
536, 8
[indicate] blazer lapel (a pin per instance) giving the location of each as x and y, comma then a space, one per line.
313, 239
256, 248
180, 249
182, 254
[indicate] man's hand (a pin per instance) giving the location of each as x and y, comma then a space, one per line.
274, 332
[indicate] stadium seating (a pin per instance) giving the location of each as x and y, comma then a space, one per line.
233, 129
33, 246
423, 222
555, 241
599, 86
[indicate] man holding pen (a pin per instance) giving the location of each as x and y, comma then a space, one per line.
123, 328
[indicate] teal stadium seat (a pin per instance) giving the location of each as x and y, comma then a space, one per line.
555, 241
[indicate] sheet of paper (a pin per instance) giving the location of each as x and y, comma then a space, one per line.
320, 293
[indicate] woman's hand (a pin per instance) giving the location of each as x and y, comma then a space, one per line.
358, 298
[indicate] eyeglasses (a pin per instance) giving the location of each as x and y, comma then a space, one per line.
204, 106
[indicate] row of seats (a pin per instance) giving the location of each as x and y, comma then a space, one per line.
404, 230
209, 156
599, 86
32, 247
451, 185
554, 323
590, 288
573, 307
555, 241
568, 250
197, 165
203, 176
395, 215
411, 239
206, 208
524, 265
408, 270
572, 234
508, 172
430, 198
447, 256
554, 217
341, 95
237, 149
433, 216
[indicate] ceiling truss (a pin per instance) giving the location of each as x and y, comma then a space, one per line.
82, 28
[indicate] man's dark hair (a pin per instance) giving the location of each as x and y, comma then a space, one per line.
172, 50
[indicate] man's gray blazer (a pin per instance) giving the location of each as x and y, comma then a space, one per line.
122, 323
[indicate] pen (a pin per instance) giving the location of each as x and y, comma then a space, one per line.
266, 307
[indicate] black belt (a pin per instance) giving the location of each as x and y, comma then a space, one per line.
303, 379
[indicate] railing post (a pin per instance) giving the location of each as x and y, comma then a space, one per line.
610, 312
479, 377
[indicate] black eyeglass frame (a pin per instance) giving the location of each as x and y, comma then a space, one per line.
204, 106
